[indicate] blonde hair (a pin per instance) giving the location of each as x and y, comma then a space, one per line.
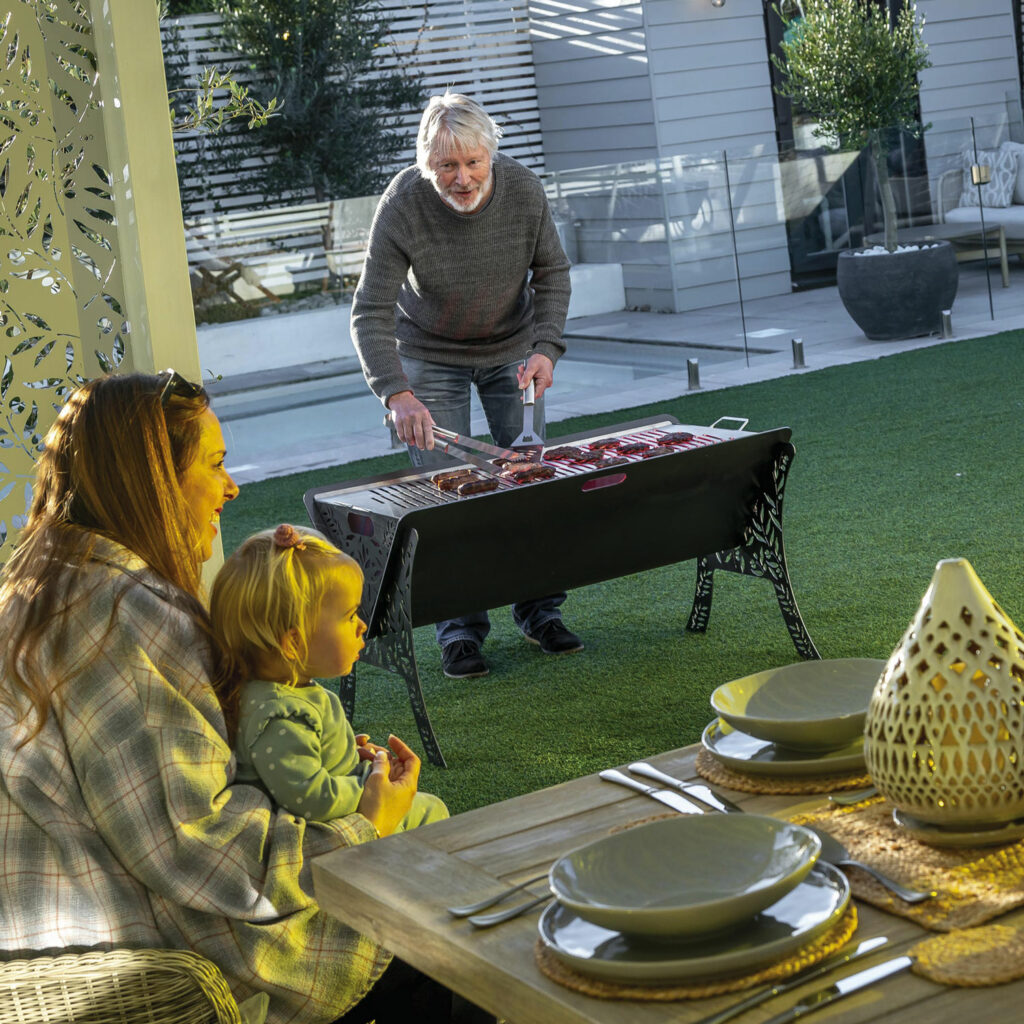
263, 591
453, 121
112, 466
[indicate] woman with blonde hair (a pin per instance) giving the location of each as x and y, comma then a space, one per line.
122, 822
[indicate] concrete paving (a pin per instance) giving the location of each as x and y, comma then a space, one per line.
313, 414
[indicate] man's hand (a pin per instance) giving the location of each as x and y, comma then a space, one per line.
413, 422
540, 370
390, 787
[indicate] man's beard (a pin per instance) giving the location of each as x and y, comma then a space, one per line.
479, 197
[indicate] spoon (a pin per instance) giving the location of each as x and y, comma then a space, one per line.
835, 853
486, 920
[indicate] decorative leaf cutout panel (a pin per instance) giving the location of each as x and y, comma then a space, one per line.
61, 305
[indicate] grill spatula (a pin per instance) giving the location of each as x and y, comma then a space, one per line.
528, 443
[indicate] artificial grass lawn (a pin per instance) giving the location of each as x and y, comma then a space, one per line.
899, 462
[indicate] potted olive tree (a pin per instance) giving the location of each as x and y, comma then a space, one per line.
853, 67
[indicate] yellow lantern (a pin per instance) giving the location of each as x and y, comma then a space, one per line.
944, 735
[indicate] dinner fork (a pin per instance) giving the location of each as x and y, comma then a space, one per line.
474, 908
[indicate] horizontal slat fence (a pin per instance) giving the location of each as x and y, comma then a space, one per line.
479, 47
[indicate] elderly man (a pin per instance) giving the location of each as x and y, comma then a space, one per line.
465, 283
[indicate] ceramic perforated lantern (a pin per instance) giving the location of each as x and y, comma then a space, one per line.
944, 735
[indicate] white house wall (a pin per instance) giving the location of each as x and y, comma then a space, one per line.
973, 74
676, 81
709, 75
712, 95
593, 88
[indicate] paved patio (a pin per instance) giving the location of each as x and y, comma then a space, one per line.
320, 414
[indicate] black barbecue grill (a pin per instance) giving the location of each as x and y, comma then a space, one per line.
716, 497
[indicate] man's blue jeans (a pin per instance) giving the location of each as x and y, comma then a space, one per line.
446, 392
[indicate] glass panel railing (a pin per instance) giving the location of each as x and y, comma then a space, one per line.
673, 224
682, 226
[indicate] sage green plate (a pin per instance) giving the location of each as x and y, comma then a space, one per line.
750, 756
811, 705
684, 876
948, 835
804, 913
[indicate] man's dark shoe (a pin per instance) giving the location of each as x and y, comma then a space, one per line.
461, 659
554, 638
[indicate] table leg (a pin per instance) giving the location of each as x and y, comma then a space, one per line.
1003, 262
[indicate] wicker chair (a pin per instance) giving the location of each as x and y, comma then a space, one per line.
146, 986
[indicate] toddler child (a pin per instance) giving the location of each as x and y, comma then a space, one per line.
285, 610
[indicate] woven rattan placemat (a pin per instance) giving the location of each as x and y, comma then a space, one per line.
974, 884
716, 772
825, 945
990, 955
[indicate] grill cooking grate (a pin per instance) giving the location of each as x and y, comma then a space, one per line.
417, 490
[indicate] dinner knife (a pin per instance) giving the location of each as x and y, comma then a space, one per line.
844, 956
676, 801
842, 988
694, 789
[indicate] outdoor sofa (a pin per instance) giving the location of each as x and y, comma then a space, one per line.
1003, 196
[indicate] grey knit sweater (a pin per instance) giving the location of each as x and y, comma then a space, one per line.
478, 289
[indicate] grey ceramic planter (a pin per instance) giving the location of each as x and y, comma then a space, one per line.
900, 294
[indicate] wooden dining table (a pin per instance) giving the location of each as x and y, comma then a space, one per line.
396, 890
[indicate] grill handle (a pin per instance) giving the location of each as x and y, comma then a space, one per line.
596, 483
741, 420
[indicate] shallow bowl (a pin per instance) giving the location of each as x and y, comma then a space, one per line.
685, 876
812, 705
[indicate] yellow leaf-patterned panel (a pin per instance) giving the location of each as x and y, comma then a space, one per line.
61, 295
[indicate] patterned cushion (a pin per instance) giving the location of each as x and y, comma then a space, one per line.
1018, 189
999, 191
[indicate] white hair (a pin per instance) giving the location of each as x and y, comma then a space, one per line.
453, 121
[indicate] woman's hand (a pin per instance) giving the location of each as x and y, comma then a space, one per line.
390, 787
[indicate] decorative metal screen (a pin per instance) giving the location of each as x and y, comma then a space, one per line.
61, 294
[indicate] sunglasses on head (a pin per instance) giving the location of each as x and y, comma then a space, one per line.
178, 386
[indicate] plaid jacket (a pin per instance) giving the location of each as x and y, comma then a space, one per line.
120, 826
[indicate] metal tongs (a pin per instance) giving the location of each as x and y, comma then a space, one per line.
471, 450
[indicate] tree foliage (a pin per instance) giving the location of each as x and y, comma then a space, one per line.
177, 8
339, 124
854, 69
213, 98
207, 113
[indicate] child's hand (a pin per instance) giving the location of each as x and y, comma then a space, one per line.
367, 750
387, 795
